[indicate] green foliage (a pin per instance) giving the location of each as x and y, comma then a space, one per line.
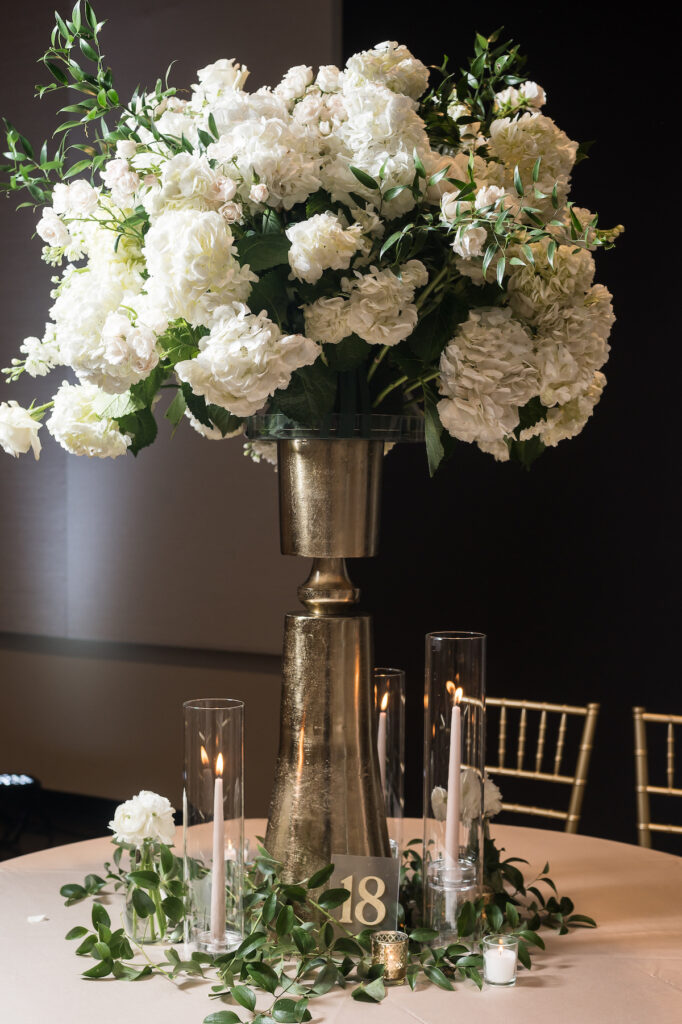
310, 395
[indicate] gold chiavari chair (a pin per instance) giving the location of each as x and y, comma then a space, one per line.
542, 757
644, 824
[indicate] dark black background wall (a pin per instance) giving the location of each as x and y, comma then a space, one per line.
571, 569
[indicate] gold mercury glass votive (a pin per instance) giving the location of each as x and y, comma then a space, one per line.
390, 949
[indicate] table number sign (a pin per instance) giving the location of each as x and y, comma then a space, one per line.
373, 886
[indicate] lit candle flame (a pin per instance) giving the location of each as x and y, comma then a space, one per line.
219, 764
204, 757
384, 701
456, 692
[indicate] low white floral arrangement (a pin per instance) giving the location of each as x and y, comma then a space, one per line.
383, 238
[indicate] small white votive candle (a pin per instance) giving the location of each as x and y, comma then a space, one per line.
499, 959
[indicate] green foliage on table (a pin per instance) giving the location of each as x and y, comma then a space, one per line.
295, 950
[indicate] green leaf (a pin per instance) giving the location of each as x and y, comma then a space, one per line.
72, 891
333, 898
423, 935
435, 975
373, 992
77, 932
348, 354
419, 166
264, 976
263, 251
147, 879
533, 938
512, 915
100, 969
364, 178
290, 1011
86, 945
495, 917
173, 908
309, 397
285, 920
320, 877
212, 127
142, 903
518, 184
87, 49
305, 943
244, 995
434, 331
141, 427
524, 955
433, 430
270, 293
466, 922
100, 916
176, 410
325, 979
101, 951
578, 919
318, 202
225, 421
251, 943
222, 1017
394, 191
344, 945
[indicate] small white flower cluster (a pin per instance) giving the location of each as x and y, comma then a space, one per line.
470, 798
145, 816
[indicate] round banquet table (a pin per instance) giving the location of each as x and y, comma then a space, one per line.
626, 971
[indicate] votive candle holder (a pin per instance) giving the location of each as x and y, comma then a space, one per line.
390, 950
500, 957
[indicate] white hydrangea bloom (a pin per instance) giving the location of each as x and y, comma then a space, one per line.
380, 304
78, 426
244, 360
322, 243
274, 150
326, 320
192, 265
18, 430
519, 141
487, 372
217, 79
145, 816
388, 64
537, 291
568, 420
188, 182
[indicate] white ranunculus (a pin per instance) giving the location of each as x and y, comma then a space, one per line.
244, 360
77, 425
380, 305
487, 372
18, 430
469, 242
52, 229
145, 816
192, 265
322, 243
388, 64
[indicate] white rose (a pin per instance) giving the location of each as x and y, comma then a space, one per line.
52, 229
451, 207
258, 193
81, 198
294, 83
223, 76
232, 212
328, 78
489, 195
225, 188
126, 149
18, 430
469, 242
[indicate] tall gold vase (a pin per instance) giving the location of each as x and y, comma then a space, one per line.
327, 797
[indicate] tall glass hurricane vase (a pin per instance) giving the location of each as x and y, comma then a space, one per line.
213, 817
389, 709
454, 759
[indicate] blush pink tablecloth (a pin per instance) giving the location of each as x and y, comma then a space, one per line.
627, 971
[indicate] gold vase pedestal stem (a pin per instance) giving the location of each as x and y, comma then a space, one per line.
327, 797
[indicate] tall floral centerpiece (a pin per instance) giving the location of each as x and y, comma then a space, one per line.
345, 254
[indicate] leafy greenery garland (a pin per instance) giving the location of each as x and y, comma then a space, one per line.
350, 377
295, 949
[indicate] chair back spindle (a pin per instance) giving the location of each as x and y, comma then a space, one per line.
644, 788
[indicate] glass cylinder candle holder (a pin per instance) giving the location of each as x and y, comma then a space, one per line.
390, 949
454, 760
500, 956
213, 823
389, 705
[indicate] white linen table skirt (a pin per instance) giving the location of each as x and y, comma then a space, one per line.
627, 971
